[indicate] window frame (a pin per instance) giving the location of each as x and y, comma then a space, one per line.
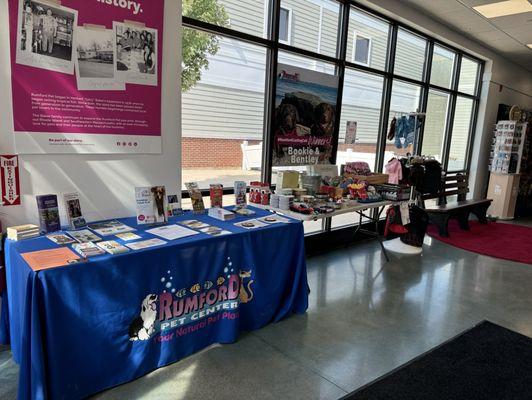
273, 45
356, 35
289, 27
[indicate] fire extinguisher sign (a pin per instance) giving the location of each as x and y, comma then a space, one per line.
10, 180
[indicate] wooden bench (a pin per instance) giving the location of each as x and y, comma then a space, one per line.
455, 184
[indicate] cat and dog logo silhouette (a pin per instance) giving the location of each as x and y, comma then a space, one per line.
143, 327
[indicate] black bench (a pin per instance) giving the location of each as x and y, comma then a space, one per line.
455, 184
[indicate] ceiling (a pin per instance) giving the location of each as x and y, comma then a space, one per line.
507, 36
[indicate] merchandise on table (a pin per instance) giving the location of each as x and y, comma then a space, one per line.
110, 228
196, 197
84, 235
299, 193
172, 232
216, 192
311, 183
60, 238
128, 236
259, 193
87, 249
112, 247
287, 179
221, 214
144, 244
151, 204
285, 202
251, 224
48, 213
73, 208
274, 200
22, 232
194, 223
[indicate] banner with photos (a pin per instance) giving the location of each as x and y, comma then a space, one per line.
305, 117
86, 75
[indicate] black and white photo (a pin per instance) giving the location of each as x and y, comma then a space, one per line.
46, 36
95, 59
135, 54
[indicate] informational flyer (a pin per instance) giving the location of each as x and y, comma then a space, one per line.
305, 117
86, 75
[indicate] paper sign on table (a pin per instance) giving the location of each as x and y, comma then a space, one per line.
45, 259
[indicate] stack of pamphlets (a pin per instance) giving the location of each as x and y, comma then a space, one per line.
84, 236
48, 209
221, 213
216, 194
87, 249
109, 228
60, 238
196, 197
22, 232
73, 208
112, 247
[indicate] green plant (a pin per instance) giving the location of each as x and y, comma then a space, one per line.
197, 45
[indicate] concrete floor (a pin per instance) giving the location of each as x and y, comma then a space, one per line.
365, 318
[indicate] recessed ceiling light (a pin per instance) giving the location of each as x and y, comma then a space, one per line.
503, 8
529, 45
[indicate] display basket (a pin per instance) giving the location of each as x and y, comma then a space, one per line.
392, 192
373, 179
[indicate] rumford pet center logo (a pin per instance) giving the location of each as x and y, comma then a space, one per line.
204, 305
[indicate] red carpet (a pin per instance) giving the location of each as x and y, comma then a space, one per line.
496, 239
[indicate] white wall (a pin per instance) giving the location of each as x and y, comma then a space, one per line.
516, 81
105, 182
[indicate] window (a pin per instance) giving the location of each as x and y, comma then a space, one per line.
405, 100
460, 134
442, 67
435, 124
368, 39
223, 111
362, 50
468, 76
285, 22
246, 16
410, 55
310, 25
227, 94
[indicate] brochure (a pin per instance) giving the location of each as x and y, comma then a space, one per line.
48, 213
88, 249
109, 228
216, 194
196, 197
174, 205
151, 205
194, 223
172, 232
274, 219
240, 194
128, 236
251, 224
112, 247
84, 236
144, 244
60, 238
73, 208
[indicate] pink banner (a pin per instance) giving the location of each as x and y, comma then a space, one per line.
86, 75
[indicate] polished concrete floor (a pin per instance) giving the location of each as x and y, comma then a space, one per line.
365, 318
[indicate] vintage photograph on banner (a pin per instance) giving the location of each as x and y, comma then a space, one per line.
305, 116
46, 36
95, 59
136, 54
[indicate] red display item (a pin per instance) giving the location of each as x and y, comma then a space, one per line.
302, 208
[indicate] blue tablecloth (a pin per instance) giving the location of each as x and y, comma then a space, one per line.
82, 328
